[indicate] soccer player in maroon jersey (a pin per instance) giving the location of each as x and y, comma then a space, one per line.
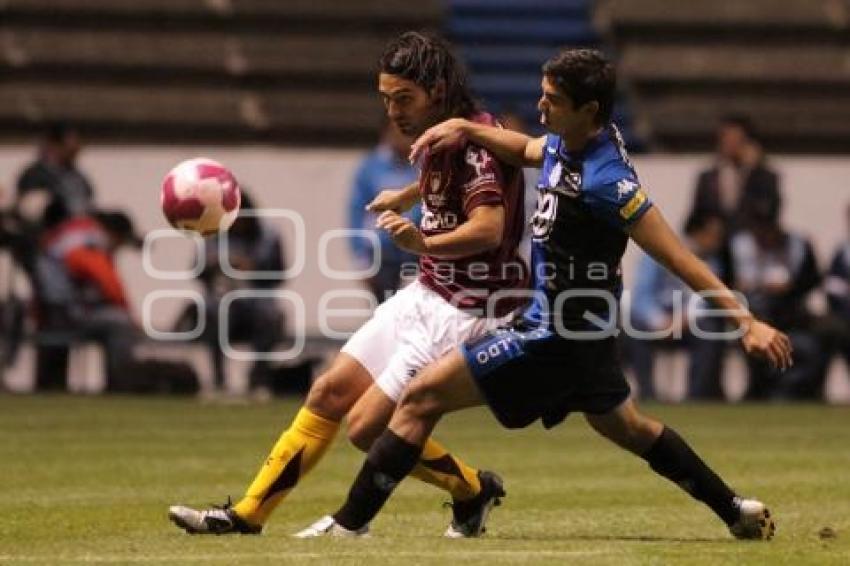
471, 227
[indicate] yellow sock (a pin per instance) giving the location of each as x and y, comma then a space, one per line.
297, 450
438, 467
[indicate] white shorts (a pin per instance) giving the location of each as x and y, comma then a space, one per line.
413, 328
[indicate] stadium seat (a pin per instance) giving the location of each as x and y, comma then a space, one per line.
329, 10
196, 52
86, 367
86, 49
195, 70
556, 31
501, 58
783, 62
721, 13
740, 63
529, 8
782, 120
837, 386
196, 354
85, 370
106, 8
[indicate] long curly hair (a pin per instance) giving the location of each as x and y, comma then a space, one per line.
428, 61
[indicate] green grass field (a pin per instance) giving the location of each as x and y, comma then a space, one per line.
90, 480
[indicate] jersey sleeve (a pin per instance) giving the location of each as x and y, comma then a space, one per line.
620, 203
482, 180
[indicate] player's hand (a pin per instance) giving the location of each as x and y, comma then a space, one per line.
403, 231
387, 200
439, 137
766, 342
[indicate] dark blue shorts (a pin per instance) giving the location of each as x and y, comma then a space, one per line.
530, 374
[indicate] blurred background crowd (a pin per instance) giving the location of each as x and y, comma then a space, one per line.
741, 90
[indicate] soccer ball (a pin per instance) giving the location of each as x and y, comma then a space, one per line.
200, 195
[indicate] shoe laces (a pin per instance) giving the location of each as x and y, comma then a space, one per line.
224, 507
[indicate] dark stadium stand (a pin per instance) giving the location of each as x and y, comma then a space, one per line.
301, 71
505, 42
221, 71
783, 62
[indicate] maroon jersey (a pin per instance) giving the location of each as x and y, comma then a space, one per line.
452, 184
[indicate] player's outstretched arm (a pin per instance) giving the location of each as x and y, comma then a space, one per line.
652, 233
481, 232
509, 146
399, 201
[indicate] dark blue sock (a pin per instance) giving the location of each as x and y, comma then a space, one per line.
390, 459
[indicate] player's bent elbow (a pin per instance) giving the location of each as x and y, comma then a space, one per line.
491, 239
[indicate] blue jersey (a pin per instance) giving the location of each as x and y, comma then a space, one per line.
585, 202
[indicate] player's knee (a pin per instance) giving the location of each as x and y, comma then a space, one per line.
646, 431
328, 397
632, 431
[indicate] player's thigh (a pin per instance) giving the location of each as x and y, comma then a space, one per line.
627, 427
337, 389
421, 343
376, 342
369, 417
442, 387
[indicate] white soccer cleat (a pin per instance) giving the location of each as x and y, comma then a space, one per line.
214, 521
755, 522
328, 527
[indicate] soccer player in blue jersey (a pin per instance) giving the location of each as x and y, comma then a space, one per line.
560, 355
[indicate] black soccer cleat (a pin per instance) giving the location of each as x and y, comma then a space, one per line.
469, 518
217, 520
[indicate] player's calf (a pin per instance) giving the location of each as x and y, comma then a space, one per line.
626, 427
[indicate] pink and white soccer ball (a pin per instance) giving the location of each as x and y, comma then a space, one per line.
200, 195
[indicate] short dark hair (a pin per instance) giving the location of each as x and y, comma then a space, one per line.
58, 131
742, 121
585, 75
427, 60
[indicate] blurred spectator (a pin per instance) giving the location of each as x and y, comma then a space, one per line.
79, 293
738, 185
776, 270
386, 167
253, 245
56, 171
659, 303
20, 227
837, 286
